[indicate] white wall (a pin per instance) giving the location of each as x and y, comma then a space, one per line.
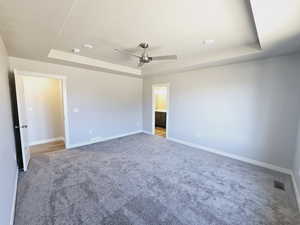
248, 109
108, 104
8, 166
160, 98
44, 108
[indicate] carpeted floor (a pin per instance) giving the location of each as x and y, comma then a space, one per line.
148, 180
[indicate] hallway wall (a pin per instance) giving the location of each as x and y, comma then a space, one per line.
44, 108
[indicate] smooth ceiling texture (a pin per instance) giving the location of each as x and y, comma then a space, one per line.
31, 29
170, 26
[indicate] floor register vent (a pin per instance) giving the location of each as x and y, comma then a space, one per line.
279, 185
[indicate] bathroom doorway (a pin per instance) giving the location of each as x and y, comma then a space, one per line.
160, 109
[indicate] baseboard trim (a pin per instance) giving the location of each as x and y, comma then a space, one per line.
147, 132
233, 156
12, 215
296, 190
243, 159
104, 139
46, 141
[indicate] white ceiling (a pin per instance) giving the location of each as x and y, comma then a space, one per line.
32, 28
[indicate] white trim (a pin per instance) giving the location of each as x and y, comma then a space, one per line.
166, 85
104, 139
147, 132
65, 96
233, 156
12, 214
83, 60
35, 74
243, 159
46, 141
296, 189
65, 114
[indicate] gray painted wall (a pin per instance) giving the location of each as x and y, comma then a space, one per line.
249, 109
297, 162
108, 104
8, 165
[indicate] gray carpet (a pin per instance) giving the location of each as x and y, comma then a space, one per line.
148, 180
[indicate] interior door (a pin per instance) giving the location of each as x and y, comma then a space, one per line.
22, 125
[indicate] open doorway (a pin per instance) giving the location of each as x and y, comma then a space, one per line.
41, 119
160, 109
44, 109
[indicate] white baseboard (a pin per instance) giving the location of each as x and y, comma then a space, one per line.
46, 141
243, 159
147, 132
296, 190
103, 139
233, 156
12, 215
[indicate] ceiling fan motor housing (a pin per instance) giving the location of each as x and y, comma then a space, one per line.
144, 45
145, 59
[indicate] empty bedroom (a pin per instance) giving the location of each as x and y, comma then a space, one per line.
150, 112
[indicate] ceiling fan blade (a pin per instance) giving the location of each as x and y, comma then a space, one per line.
127, 53
165, 57
138, 48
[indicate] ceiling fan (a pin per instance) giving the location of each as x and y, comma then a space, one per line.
145, 58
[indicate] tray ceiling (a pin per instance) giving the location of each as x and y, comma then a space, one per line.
31, 29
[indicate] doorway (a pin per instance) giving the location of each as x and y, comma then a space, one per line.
160, 110
42, 113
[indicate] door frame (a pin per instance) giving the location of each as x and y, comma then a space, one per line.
63, 80
167, 85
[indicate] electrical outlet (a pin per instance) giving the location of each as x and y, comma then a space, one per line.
91, 131
75, 110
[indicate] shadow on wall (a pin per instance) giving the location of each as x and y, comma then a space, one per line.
288, 45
